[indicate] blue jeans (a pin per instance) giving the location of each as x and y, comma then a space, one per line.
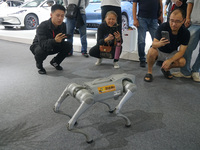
145, 24
194, 40
70, 26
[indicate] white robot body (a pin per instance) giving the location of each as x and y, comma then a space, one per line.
98, 90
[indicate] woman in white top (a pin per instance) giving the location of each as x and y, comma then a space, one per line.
112, 5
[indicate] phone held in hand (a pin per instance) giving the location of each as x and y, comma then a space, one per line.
68, 36
165, 34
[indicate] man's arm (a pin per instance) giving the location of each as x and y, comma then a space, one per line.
189, 11
179, 54
44, 41
167, 63
161, 12
136, 23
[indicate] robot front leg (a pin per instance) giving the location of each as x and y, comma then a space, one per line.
63, 96
126, 97
130, 88
82, 108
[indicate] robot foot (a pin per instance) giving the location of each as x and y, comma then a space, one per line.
89, 140
112, 111
56, 109
128, 122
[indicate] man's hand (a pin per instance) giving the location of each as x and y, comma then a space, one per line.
166, 64
187, 23
59, 37
163, 42
136, 23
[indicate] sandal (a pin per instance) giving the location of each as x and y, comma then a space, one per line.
167, 74
148, 75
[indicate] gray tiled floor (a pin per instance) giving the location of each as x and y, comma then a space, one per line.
164, 114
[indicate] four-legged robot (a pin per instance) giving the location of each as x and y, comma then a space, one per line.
98, 91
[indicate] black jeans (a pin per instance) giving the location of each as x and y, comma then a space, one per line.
95, 52
61, 50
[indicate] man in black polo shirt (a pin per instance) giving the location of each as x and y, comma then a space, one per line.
50, 39
167, 50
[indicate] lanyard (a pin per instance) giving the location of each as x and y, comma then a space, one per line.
53, 33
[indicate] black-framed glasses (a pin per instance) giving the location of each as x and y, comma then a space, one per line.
175, 21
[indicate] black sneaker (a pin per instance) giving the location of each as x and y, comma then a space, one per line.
57, 66
42, 71
85, 54
142, 64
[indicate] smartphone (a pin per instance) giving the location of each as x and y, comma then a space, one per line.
165, 34
68, 36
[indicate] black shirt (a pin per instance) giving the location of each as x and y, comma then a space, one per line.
148, 8
182, 38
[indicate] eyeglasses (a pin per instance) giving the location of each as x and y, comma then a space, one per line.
175, 21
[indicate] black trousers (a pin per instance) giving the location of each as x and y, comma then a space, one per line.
95, 52
61, 50
117, 10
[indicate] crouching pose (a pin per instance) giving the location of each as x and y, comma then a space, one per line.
50, 39
108, 34
168, 38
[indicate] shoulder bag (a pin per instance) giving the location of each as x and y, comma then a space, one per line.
72, 10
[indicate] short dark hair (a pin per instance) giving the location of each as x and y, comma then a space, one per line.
56, 7
179, 10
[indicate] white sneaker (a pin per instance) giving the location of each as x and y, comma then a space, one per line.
99, 60
180, 75
116, 65
195, 76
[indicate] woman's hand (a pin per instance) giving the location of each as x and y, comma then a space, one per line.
109, 38
117, 36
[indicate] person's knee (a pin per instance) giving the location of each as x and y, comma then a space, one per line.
67, 47
93, 51
182, 62
152, 53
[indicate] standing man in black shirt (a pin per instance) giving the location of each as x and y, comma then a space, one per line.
166, 50
50, 39
146, 20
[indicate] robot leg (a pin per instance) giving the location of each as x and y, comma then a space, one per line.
82, 108
126, 97
130, 88
63, 96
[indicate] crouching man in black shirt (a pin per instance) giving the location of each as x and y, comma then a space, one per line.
50, 39
169, 45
